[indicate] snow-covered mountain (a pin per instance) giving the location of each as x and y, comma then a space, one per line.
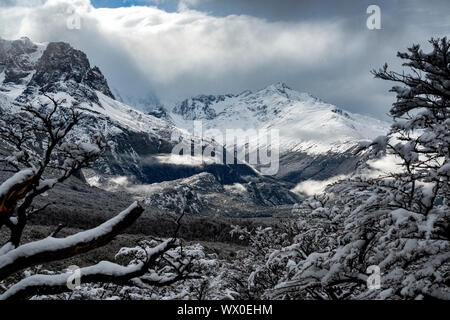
28, 69
137, 143
316, 138
305, 123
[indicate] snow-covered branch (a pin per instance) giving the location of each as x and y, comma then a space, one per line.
104, 271
50, 249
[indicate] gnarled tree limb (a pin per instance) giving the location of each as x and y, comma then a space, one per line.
51, 249
104, 271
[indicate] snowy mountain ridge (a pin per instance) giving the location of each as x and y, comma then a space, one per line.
305, 123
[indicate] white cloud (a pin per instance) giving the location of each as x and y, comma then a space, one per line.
313, 187
173, 44
188, 52
187, 44
21, 3
383, 166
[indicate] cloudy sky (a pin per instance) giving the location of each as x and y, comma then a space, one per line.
180, 48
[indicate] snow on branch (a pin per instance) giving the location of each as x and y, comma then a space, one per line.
13, 190
51, 249
104, 271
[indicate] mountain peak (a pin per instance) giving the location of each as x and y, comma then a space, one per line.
305, 123
27, 67
281, 86
25, 39
277, 88
282, 89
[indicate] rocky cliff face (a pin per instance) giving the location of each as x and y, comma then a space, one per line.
203, 194
18, 61
63, 68
29, 69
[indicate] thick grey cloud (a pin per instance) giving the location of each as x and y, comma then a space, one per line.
23, 3
212, 46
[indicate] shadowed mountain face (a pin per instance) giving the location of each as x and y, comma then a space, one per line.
61, 67
203, 194
296, 167
18, 60
50, 68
